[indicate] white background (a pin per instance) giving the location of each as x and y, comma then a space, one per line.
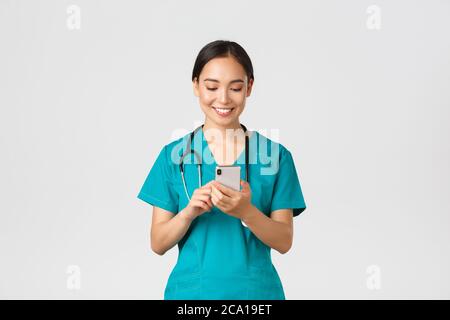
365, 113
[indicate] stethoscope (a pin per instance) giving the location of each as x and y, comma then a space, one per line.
199, 159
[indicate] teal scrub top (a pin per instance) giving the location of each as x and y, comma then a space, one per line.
219, 257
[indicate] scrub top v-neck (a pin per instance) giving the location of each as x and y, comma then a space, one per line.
219, 257
240, 158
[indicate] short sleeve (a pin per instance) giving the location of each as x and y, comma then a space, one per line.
157, 189
287, 192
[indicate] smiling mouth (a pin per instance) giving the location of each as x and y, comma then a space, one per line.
223, 111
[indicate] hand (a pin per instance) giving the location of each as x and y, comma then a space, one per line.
232, 202
200, 202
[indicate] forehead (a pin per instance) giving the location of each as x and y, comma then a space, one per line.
223, 69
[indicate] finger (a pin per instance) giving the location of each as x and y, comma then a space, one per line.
209, 202
219, 195
205, 198
225, 190
203, 190
209, 183
206, 186
202, 197
214, 200
222, 199
245, 186
200, 204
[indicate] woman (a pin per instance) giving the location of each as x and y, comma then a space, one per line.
224, 236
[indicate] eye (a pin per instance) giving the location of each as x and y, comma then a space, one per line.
214, 89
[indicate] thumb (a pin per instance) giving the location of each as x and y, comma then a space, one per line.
245, 186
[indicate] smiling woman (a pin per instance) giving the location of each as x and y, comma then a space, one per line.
224, 235
222, 79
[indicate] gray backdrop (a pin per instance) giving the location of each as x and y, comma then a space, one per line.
92, 90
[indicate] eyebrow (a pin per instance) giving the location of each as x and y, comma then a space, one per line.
215, 80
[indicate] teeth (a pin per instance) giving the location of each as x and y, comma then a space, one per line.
223, 110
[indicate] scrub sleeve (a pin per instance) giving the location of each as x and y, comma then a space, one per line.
287, 192
158, 189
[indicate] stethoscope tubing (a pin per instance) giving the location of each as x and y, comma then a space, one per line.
199, 160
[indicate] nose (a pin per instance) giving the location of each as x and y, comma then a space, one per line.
223, 96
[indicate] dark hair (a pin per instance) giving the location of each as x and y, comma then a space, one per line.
222, 48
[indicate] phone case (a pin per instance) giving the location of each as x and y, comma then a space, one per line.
230, 176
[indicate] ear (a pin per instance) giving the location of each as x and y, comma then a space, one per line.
249, 87
195, 87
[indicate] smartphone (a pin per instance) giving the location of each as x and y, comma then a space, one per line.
229, 176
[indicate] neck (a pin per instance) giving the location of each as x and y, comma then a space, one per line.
219, 133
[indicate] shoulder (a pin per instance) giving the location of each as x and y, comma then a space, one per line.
269, 147
173, 150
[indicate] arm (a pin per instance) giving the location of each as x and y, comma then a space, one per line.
168, 229
276, 231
